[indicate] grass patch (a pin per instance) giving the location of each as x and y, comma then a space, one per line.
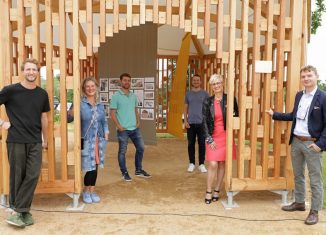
324, 177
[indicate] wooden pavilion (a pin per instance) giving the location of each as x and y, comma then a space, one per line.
257, 45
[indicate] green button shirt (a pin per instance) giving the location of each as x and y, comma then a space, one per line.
125, 106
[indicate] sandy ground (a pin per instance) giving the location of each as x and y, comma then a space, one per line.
171, 202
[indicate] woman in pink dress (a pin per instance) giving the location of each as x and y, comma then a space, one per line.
214, 122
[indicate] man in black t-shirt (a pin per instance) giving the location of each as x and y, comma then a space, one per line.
26, 105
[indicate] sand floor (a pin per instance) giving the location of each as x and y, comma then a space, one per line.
171, 202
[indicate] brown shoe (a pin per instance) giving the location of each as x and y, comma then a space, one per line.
295, 206
312, 218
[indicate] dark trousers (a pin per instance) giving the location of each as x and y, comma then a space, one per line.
192, 132
25, 163
90, 178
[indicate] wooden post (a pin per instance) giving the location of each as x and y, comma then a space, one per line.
279, 75
243, 89
267, 88
255, 89
230, 92
89, 23
63, 91
102, 21
49, 88
76, 78
6, 73
293, 76
36, 33
219, 30
21, 34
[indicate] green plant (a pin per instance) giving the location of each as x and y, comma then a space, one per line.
316, 15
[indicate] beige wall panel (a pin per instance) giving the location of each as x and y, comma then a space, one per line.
130, 52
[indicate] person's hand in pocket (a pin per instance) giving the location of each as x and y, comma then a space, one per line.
314, 147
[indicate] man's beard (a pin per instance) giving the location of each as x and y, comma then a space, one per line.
126, 87
30, 79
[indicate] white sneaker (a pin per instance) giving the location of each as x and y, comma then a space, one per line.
202, 168
191, 167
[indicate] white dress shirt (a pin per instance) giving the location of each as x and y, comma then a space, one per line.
301, 127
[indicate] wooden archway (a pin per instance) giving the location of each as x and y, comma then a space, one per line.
264, 49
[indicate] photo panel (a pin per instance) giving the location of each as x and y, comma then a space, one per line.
137, 83
147, 114
107, 110
149, 86
104, 97
114, 84
149, 79
140, 97
149, 95
104, 84
148, 103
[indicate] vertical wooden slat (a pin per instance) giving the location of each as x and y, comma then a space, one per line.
49, 86
219, 30
102, 21
168, 12
89, 23
207, 21
36, 33
304, 33
293, 81
6, 73
255, 88
182, 14
76, 78
142, 13
63, 92
21, 34
267, 88
279, 94
194, 17
115, 16
243, 88
155, 11
129, 13
230, 92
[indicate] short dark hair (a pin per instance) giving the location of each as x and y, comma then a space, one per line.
32, 61
124, 75
196, 75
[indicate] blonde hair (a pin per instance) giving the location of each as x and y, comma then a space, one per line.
215, 78
84, 84
31, 61
309, 68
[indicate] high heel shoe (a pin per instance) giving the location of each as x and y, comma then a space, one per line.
208, 200
215, 198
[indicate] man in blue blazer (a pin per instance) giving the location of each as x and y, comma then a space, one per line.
308, 140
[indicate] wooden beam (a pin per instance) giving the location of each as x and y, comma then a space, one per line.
63, 90
198, 47
49, 87
76, 76
268, 56
255, 88
89, 26
243, 88
230, 100
83, 37
207, 21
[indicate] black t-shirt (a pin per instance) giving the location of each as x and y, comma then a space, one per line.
24, 108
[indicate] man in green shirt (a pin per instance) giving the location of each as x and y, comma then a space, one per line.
125, 115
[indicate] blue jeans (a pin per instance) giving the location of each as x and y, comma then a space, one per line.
138, 141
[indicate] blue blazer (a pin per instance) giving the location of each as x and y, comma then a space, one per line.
316, 117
